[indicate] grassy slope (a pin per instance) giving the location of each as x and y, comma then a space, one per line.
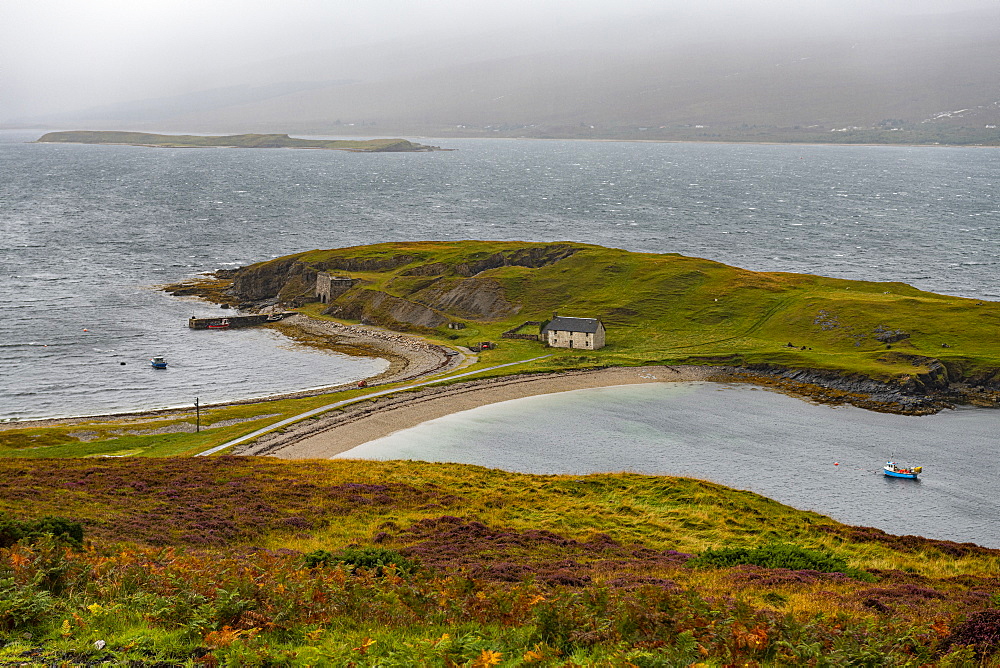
138, 437
240, 141
671, 308
172, 566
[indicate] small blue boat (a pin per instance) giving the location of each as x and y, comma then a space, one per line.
158, 363
893, 470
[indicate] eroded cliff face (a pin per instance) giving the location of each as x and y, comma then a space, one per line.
380, 308
423, 296
293, 280
429, 307
268, 280
477, 298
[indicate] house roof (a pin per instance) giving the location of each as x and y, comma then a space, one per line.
563, 324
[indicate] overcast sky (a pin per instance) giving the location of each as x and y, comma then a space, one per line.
70, 54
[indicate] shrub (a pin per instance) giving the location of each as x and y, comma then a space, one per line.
774, 598
778, 555
21, 605
981, 631
370, 558
12, 531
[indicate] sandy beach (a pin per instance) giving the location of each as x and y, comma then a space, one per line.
353, 425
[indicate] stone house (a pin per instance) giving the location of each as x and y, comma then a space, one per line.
564, 332
329, 287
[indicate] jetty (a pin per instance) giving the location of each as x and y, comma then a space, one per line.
235, 321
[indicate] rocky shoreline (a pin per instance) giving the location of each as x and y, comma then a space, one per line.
409, 357
924, 395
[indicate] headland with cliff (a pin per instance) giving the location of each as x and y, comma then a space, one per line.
883, 346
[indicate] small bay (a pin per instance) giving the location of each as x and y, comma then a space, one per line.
813, 457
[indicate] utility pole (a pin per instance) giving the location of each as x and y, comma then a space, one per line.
197, 416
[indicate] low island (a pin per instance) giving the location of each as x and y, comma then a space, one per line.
232, 141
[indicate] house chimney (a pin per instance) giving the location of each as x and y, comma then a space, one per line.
554, 315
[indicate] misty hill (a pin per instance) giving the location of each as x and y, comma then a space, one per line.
916, 79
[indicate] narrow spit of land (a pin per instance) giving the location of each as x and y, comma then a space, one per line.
881, 346
354, 400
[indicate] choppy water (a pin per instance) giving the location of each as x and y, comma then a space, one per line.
778, 446
86, 231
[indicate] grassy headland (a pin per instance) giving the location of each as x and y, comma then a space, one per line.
232, 141
658, 309
251, 561
885, 346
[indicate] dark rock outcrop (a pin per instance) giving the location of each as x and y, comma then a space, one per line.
838, 388
271, 279
389, 263
433, 269
533, 257
890, 335
927, 391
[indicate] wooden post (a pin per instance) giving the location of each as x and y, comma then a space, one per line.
197, 416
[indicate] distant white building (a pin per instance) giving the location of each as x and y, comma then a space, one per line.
563, 332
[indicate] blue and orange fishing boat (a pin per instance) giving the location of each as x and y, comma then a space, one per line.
158, 363
893, 470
